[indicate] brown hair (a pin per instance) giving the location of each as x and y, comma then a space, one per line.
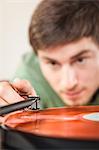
56, 22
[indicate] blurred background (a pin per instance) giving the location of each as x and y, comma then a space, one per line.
14, 21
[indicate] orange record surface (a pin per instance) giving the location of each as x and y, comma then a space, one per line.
80, 122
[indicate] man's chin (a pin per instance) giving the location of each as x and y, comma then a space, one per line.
73, 102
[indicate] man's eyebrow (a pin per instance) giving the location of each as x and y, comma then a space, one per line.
49, 59
80, 53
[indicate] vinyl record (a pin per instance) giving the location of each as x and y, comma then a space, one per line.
80, 122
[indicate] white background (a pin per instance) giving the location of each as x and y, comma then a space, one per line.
14, 21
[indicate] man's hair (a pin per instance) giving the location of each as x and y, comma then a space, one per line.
56, 22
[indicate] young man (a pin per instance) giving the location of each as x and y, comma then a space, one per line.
64, 65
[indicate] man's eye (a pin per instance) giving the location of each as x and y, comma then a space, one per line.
80, 60
53, 63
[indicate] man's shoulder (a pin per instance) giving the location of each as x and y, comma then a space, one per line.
28, 68
29, 56
29, 59
95, 99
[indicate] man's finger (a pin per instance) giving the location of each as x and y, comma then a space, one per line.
8, 93
3, 102
24, 86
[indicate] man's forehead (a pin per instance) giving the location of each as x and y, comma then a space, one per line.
73, 49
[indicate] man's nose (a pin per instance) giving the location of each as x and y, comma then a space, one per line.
68, 78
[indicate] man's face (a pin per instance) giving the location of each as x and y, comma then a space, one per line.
72, 70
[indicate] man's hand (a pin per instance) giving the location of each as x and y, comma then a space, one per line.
9, 92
